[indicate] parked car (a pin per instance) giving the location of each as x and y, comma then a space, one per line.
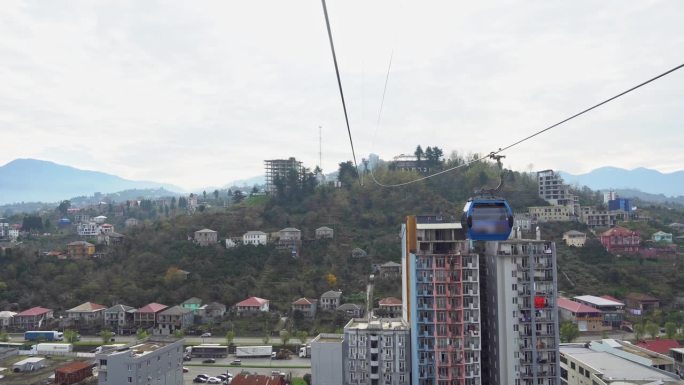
236, 362
207, 334
209, 361
185, 370
213, 380
187, 357
200, 379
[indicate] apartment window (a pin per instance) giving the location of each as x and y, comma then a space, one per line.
130, 380
103, 362
130, 367
572, 365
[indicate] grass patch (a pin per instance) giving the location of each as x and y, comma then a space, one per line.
298, 381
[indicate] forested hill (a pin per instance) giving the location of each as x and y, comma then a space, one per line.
146, 268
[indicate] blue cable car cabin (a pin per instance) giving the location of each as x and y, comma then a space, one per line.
487, 219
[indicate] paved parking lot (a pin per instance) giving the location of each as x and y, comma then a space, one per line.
222, 366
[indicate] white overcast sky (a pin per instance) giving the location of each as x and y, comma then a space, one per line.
199, 93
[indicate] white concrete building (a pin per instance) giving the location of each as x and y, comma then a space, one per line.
88, 229
327, 359
158, 362
254, 238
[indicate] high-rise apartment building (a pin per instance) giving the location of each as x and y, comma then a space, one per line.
553, 190
520, 315
441, 302
280, 168
377, 352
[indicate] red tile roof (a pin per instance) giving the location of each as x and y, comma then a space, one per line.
390, 301
575, 307
256, 379
304, 301
152, 308
253, 302
73, 367
619, 231
34, 311
659, 346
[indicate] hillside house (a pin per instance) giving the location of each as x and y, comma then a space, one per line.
575, 238
324, 232
620, 240
6, 318
146, 316
594, 217
662, 346
390, 270
307, 306
351, 310
290, 234
330, 300
80, 249
587, 318
390, 307
173, 319
254, 238
86, 313
212, 311
662, 236
119, 317
613, 311
130, 222
206, 237
193, 304
252, 305
106, 228
100, 219
640, 304
32, 319
88, 229
540, 214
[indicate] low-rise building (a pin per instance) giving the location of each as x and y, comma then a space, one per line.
86, 313
587, 318
88, 229
390, 307
551, 213
327, 360
206, 237
173, 319
119, 317
130, 222
662, 346
351, 310
80, 249
330, 300
211, 312
6, 318
324, 232
613, 311
146, 316
252, 305
290, 234
254, 238
32, 318
595, 217
158, 362
193, 304
661, 236
620, 240
377, 350
306, 306
639, 303
390, 270
574, 238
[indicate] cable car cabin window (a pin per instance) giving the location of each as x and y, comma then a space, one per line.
490, 220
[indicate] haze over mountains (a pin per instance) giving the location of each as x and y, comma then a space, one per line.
32, 180
642, 179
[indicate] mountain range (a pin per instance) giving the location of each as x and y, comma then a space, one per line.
32, 180
642, 179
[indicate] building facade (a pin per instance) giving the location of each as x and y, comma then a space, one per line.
280, 168
441, 302
206, 237
520, 315
551, 213
553, 190
157, 362
621, 240
254, 238
575, 238
613, 311
377, 352
328, 359
330, 300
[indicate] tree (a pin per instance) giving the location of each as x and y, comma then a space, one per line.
4, 336
32, 222
670, 329
284, 336
568, 331
204, 194
639, 331
266, 338
238, 196
63, 207
331, 279
347, 173
302, 335
419, 154
178, 333
106, 336
70, 335
216, 194
230, 336
307, 378
141, 334
653, 329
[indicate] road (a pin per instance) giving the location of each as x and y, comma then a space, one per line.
222, 366
19, 337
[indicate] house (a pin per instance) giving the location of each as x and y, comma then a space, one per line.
119, 317
106, 228
86, 313
173, 319
100, 219
551, 213
80, 249
661, 346
587, 318
306, 306
146, 316
254, 238
352, 310
612, 310
640, 304
6, 318
324, 232
206, 237
257, 379
73, 372
574, 238
32, 318
390, 270
676, 226
662, 236
212, 311
330, 300
113, 238
595, 217
252, 305
390, 307
620, 240
88, 229
290, 234
233, 242
130, 222
193, 304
